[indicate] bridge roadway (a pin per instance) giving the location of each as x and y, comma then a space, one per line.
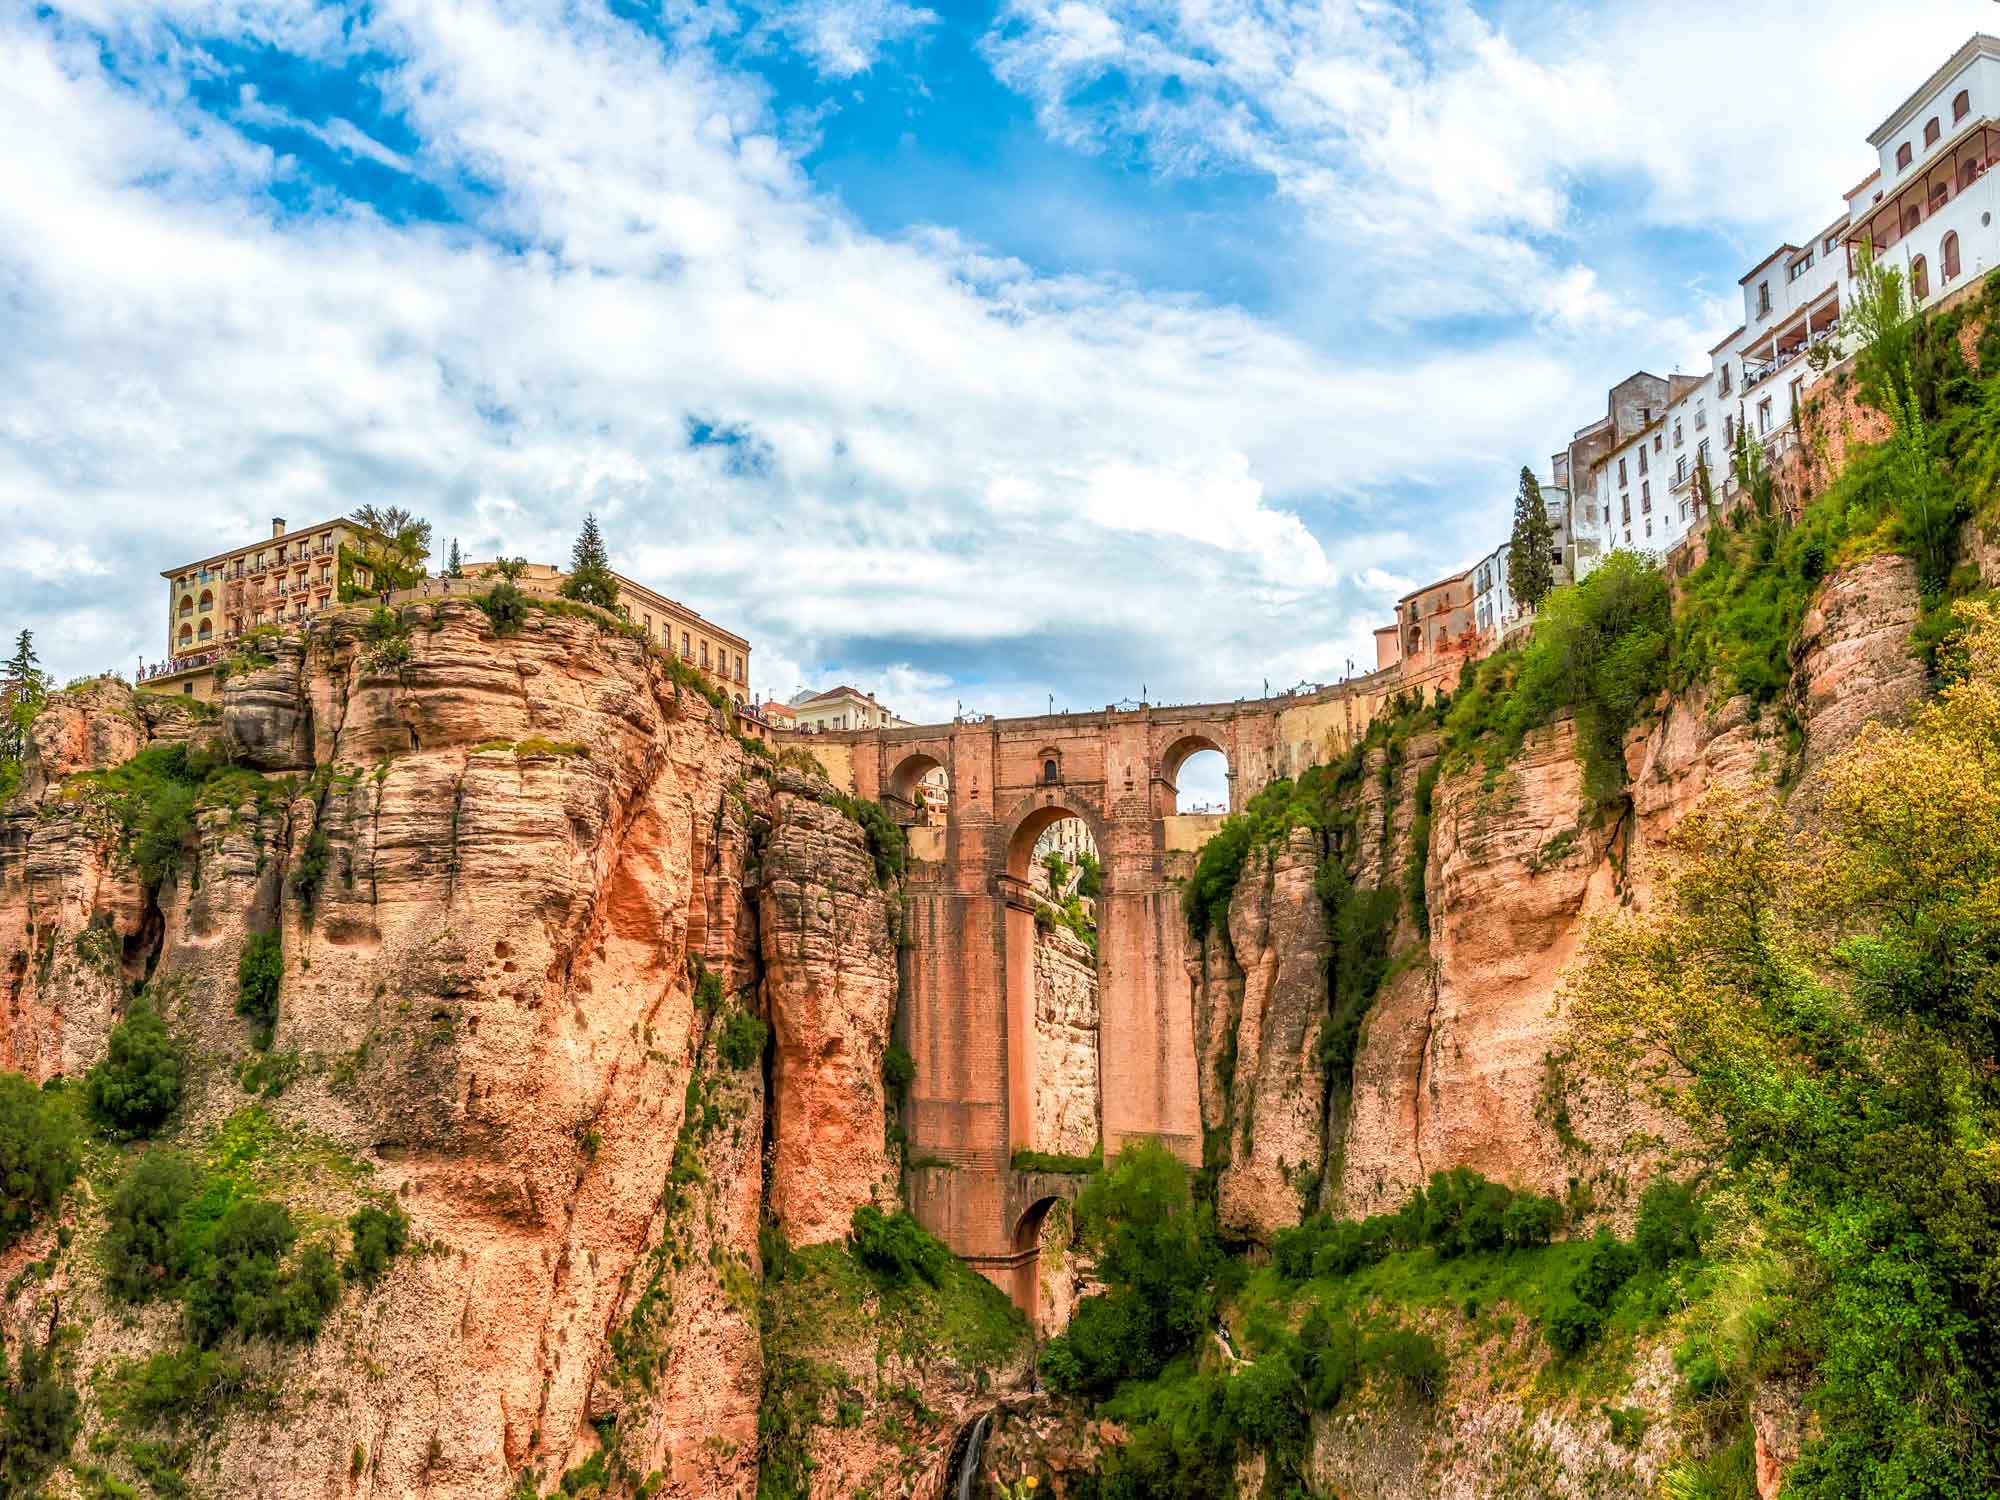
968, 967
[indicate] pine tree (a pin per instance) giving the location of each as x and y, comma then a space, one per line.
1530, 564
590, 580
454, 565
22, 686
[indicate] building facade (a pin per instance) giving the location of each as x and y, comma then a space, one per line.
281, 580
841, 708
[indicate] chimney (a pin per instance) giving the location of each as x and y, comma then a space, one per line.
277, 527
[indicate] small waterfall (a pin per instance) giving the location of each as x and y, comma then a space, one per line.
966, 1473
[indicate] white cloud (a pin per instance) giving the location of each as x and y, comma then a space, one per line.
937, 445
844, 37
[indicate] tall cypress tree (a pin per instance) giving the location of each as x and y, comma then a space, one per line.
1530, 567
21, 690
590, 580
454, 565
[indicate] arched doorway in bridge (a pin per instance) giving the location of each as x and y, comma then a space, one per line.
1053, 891
919, 790
1045, 1267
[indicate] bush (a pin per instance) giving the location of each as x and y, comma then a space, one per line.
899, 1069
241, 1288
505, 605
1607, 1266
38, 1154
886, 840
137, 1085
1090, 884
1266, 1404
379, 1237
707, 990
1531, 1220
1109, 1339
1570, 1322
1062, 1371
741, 1044
1669, 1225
1331, 1349
146, 1250
896, 1247
1409, 1358
40, 1423
259, 972
309, 869
1703, 1372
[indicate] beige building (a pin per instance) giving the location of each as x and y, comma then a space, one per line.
722, 655
286, 578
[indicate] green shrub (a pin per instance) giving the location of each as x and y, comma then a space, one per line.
505, 605
1701, 1369
146, 1248
137, 1085
309, 869
899, 1069
38, 1154
379, 1237
242, 1287
1569, 1322
1531, 1220
896, 1247
1330, 1347
40, 1423
741, 1044
1669, 1225
174, 1386
887, 843
259, 972
1409, 1358
707, 990
1606, 1267
1266, 1404
1090, 884
1061, 1370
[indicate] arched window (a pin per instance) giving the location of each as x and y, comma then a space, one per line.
207, 601
1920, 279
1948, 253
1932, 130
1903, 154
1961, 106
187, 635
1050, 771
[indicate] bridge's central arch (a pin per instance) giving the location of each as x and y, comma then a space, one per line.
969, 924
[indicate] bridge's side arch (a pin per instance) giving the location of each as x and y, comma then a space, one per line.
905, 777
1180, 751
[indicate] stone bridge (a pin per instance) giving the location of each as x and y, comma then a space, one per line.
969, 961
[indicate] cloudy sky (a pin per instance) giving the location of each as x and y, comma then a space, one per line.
984, 353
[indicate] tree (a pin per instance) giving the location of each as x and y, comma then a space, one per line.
1530, 566
393, 545
1884, 334
22, 688
146, 1247
138, 1082
38, 1154
454, 565
590, 580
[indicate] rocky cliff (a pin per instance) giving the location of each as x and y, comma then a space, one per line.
534, 907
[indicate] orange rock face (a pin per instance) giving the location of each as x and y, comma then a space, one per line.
519, 854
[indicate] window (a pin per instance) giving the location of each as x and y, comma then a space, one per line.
1764, 415
1763, 299
1642, 458
1628, 536
1829, 244
1701, 453
1649, 528
1939, 192
1948, 254
1621, 472
1680, 470
1968, 173
1049, 773
1723, 389
1701, 419
704, 653
1645, 497
1802, 265
1903, 154
685, 653
1920, 279
1728, 431
1932, 130
1684, 510
1625, 510
1912, 217
1677, 432
739, 669
1961, 106
1659, 439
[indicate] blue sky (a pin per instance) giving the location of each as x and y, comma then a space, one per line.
968, 353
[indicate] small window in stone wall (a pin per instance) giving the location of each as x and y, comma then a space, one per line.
1050, 772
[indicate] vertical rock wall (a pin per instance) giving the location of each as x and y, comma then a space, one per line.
1066, 1064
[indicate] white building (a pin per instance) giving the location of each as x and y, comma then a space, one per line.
1930, 207
839, 708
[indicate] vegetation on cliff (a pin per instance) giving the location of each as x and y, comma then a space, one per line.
1817, 1007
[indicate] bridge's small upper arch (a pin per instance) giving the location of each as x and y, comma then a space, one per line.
910, 771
